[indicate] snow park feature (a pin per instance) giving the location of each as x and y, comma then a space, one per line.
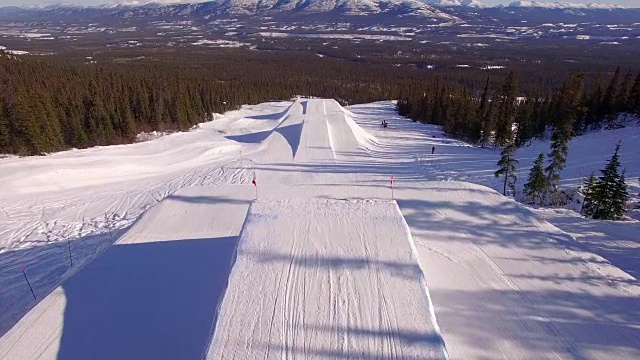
175, 258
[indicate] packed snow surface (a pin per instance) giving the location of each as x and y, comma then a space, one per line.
175, 258
338, 280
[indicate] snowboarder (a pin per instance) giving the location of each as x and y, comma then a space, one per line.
433, 149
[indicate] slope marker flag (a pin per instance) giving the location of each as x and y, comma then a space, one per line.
255, 183
392, 181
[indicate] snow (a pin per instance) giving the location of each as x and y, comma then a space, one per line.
469, 3
338, 36
221, 43
130, 302
561, 5
506, 283
338, 280
175, 258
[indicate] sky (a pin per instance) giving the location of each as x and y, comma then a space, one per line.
628, 3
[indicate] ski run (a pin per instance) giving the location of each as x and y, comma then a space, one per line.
161, 250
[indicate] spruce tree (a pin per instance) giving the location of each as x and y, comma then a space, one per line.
488, 124
507, 168
589, 203
609, 109
507, 110
482, 111
633, 101
536, 184
623, 93
610, 191
567, 109
4, 132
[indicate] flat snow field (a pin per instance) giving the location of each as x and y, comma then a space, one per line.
174, 258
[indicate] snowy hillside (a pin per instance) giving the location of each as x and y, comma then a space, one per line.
174, 257
587, 154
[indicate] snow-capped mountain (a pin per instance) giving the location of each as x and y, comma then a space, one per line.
560, 5
136, 9
449, 3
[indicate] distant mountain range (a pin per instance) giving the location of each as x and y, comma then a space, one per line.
386, 11
395, 8
560, 5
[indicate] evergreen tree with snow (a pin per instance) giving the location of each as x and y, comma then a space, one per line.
610, 192
589, 202
507, 169
536, 184
567, 103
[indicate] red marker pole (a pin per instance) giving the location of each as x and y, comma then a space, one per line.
255, 183
28, 283
392, 187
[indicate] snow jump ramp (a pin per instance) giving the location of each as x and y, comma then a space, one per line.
322, 278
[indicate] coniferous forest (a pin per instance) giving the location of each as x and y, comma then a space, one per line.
51, 104
502, 111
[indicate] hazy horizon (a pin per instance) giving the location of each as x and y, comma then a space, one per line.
627, 3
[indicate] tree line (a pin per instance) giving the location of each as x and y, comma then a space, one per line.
54, 103
49, 104
500, 113
605, 197
503, 118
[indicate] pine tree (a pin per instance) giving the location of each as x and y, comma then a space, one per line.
623, 93
482, 111
507, 168
609, 107
589, 203
536, 184
4, 132
128, 126
507, 110
633, 101
488, 124
567, 109
610, 192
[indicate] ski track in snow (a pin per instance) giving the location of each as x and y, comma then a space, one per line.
325, 265
338, 280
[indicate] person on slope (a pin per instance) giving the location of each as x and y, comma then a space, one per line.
433, 149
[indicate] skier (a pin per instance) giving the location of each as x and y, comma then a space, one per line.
433, 149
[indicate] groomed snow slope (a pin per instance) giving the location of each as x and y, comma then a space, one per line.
337, 279
504, 282
152, 295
